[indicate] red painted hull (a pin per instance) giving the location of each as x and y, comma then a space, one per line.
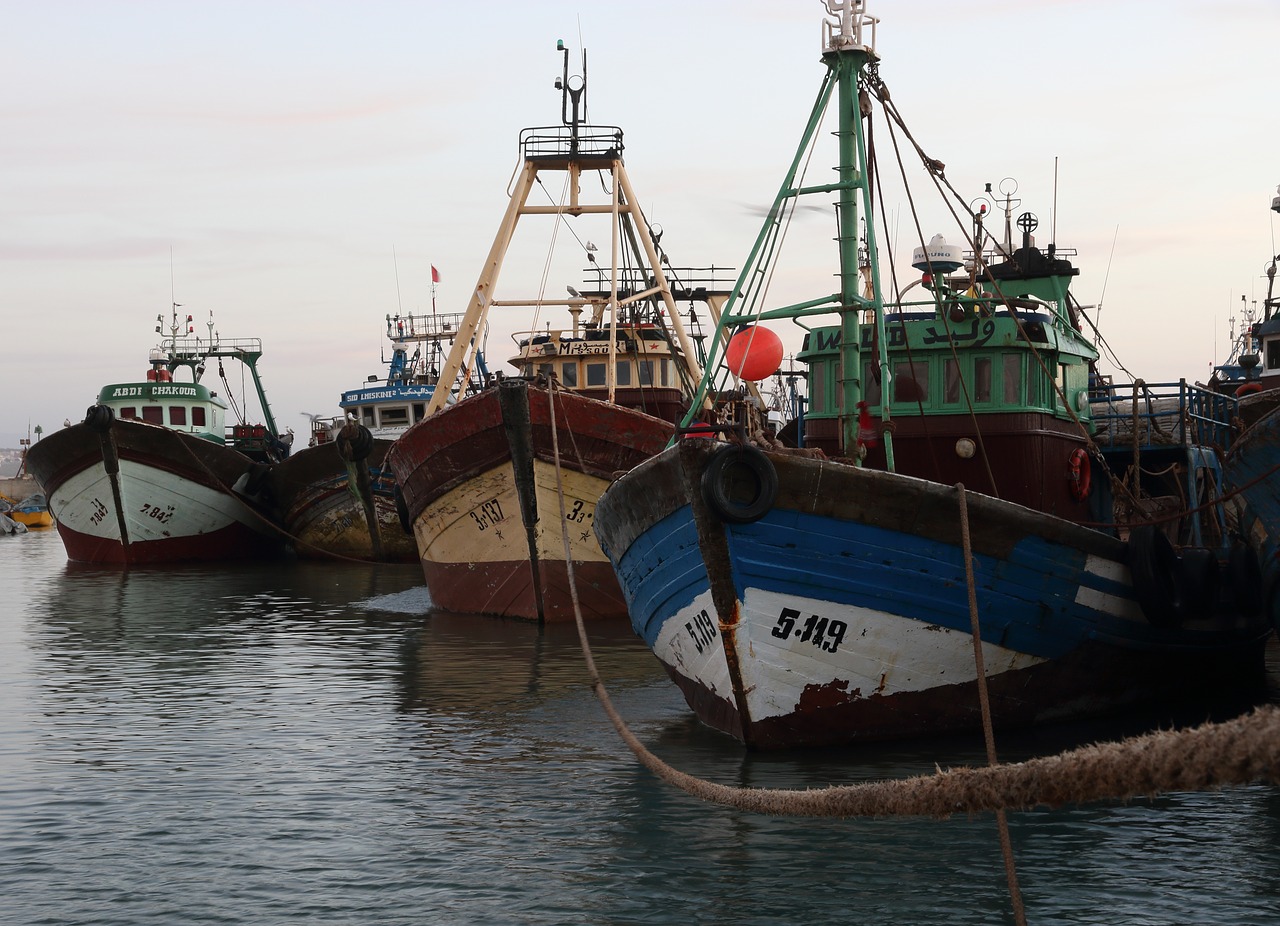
437, 462
235, 542
506, 589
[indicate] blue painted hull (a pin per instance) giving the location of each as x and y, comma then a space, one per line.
843, 613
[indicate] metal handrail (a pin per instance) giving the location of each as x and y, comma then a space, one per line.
1180, 412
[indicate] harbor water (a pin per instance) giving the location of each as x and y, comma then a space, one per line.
300, 742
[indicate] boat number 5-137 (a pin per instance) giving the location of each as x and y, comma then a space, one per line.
821, 632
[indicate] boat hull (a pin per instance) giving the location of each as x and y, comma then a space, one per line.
480, 487
1249, 472
136, 493
41, 518
842, 613
328, 509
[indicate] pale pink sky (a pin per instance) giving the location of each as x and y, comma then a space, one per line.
265, 159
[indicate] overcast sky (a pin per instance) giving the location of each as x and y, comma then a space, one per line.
297, 167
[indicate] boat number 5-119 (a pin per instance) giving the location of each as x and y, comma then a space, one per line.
825, 634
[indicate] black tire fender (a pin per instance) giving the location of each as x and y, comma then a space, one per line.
1199, 575
739, 484
1244, 577
355, 442
1158, 581
99, 418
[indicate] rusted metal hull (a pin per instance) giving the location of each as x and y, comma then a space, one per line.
138, 493
480, 487
328, 510
842, 613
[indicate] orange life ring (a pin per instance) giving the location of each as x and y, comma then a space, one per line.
1248, 389
1078, 473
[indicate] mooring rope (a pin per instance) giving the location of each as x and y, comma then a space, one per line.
984, 702
1209, 757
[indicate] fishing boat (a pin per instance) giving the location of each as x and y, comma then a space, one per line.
155, 473
1253, 461
338, 496
1251, 371
955, 530
593, 395
33, 511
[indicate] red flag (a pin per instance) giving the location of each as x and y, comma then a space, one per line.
435, 274
867, 434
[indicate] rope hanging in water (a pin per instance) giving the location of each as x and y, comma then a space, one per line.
1205, 758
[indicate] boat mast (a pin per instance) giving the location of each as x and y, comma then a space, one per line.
848, 47
191, 353
572, 148
847, 54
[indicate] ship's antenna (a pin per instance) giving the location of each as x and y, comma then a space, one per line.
1053, 222
396, 264
573, 92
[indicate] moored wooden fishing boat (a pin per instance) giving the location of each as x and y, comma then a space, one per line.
152, 474
481, 480
338, 496
956, 516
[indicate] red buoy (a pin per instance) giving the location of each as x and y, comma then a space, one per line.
754, 353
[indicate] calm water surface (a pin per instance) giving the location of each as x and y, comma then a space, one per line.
303, 743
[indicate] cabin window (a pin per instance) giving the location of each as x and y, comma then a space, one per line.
366, 415
624, 373
153, 413
1273, 355
129, 412
395, 417
569, 374
419, 411
597, 374
818, 387
646, 372
663, 378
197, 416
1012, 379
546, 369
910, 381
870, 386
951, 381
981, 380
178, 414
1062, 385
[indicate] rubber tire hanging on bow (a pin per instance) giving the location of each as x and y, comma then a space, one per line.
1244, 577
98, 418
1159, 582
739, 484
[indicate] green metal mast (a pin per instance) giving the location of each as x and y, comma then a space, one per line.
848, 48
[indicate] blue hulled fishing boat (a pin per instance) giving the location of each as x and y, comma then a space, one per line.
956, 511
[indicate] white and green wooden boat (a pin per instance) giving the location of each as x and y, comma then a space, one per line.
154, 472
